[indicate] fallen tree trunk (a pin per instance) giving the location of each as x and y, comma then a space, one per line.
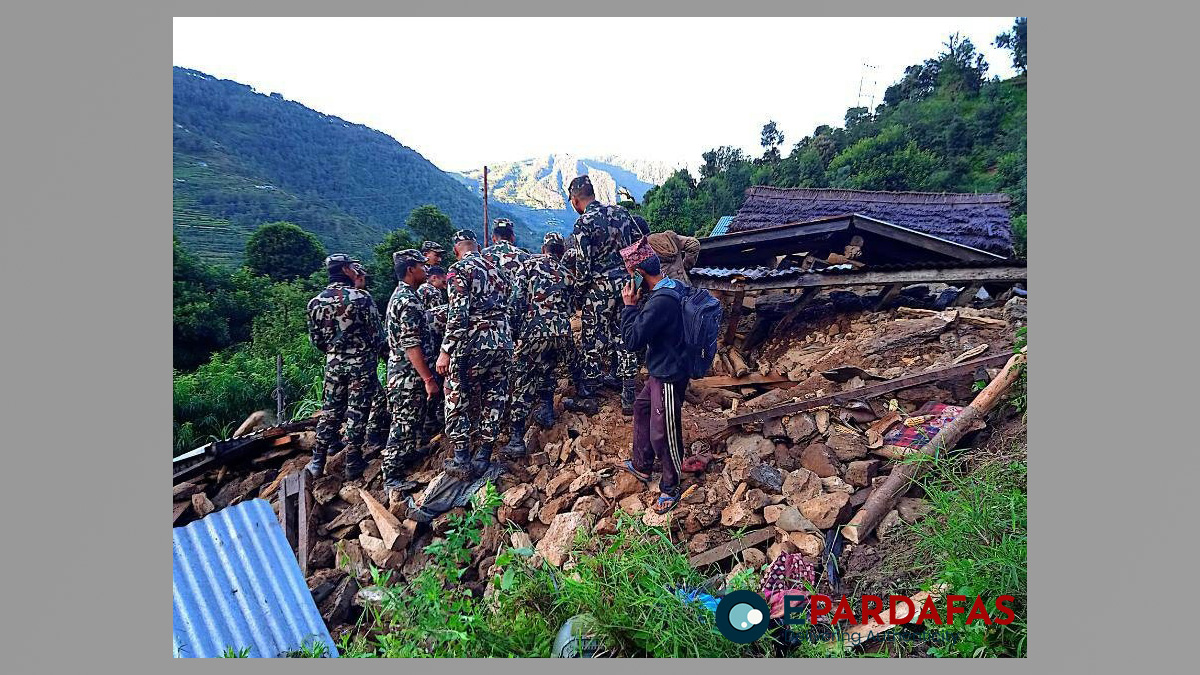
884, 497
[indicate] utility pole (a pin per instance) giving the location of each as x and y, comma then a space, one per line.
485, 214
279, 389
861, 79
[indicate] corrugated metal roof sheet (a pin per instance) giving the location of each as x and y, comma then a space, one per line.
756, 273
722, 226
236, 584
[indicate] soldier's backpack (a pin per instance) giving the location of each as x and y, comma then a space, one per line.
702, 315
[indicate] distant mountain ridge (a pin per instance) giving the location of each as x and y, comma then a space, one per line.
242, 158
537, 187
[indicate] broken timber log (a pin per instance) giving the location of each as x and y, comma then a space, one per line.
740, 367
884, 497
871, 390
727, 549
748, 380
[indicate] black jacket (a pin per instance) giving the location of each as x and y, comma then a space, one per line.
658, 327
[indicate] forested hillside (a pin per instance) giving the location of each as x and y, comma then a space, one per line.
944, 127
242, 158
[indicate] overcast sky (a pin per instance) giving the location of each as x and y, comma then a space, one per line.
659, 89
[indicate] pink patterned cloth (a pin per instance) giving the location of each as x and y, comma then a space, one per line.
790, 574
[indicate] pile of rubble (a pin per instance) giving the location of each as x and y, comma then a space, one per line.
789, 478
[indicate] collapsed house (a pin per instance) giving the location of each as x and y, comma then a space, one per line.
851, 337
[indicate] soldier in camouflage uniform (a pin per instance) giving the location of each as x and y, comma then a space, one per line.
433, 291
475, 355
411, 383
433, 253
380, 419
344, 324
599, 235
433, 294
544, 327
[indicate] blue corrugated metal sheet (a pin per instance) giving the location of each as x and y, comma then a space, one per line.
722, 226
236, 584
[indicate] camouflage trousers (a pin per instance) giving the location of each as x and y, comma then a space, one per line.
380, 418
476, 388
535, 361
407, 404
350, 384
600, 332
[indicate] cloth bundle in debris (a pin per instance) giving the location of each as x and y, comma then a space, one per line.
904, 439
790, 574
448, 493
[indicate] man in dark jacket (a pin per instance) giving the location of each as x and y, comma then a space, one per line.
658, 328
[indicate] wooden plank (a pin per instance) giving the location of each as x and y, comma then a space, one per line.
289, 508
735, 314
871, 390
942, 274
889, 293
806, 298
304, 522
178, 510
964, 299
748, 380
725, 550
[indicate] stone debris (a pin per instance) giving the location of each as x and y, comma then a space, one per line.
799, 475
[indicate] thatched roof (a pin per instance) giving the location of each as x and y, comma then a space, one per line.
978, 220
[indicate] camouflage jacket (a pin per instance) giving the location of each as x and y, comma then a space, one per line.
545, 298
599, 235
343, 321
476, 316
407, 327
430, 295
511, 261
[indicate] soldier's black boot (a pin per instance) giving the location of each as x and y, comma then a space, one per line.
516, 442
460, 466
609, 381
544, 416
316, 467
585, 388
355, 464
481, 461
628, 394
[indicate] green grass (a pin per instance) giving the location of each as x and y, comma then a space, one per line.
975, 540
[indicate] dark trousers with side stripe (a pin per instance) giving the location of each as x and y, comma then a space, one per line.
658, 431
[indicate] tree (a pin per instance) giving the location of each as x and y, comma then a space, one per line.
1015, 41
428, 223
719, 159
283, 251
960, 67
771, 139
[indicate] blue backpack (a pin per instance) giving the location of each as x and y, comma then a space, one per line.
702, 315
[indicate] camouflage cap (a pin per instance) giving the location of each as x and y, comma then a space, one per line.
408, 255
580, 184
403, 260
432, 246
338, 259
503, 227
464, 235
553, 238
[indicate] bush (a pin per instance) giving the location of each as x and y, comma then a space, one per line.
284, 252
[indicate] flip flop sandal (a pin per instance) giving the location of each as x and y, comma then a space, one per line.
628, 466
665, 503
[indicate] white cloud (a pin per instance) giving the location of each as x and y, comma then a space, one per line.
467, 91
